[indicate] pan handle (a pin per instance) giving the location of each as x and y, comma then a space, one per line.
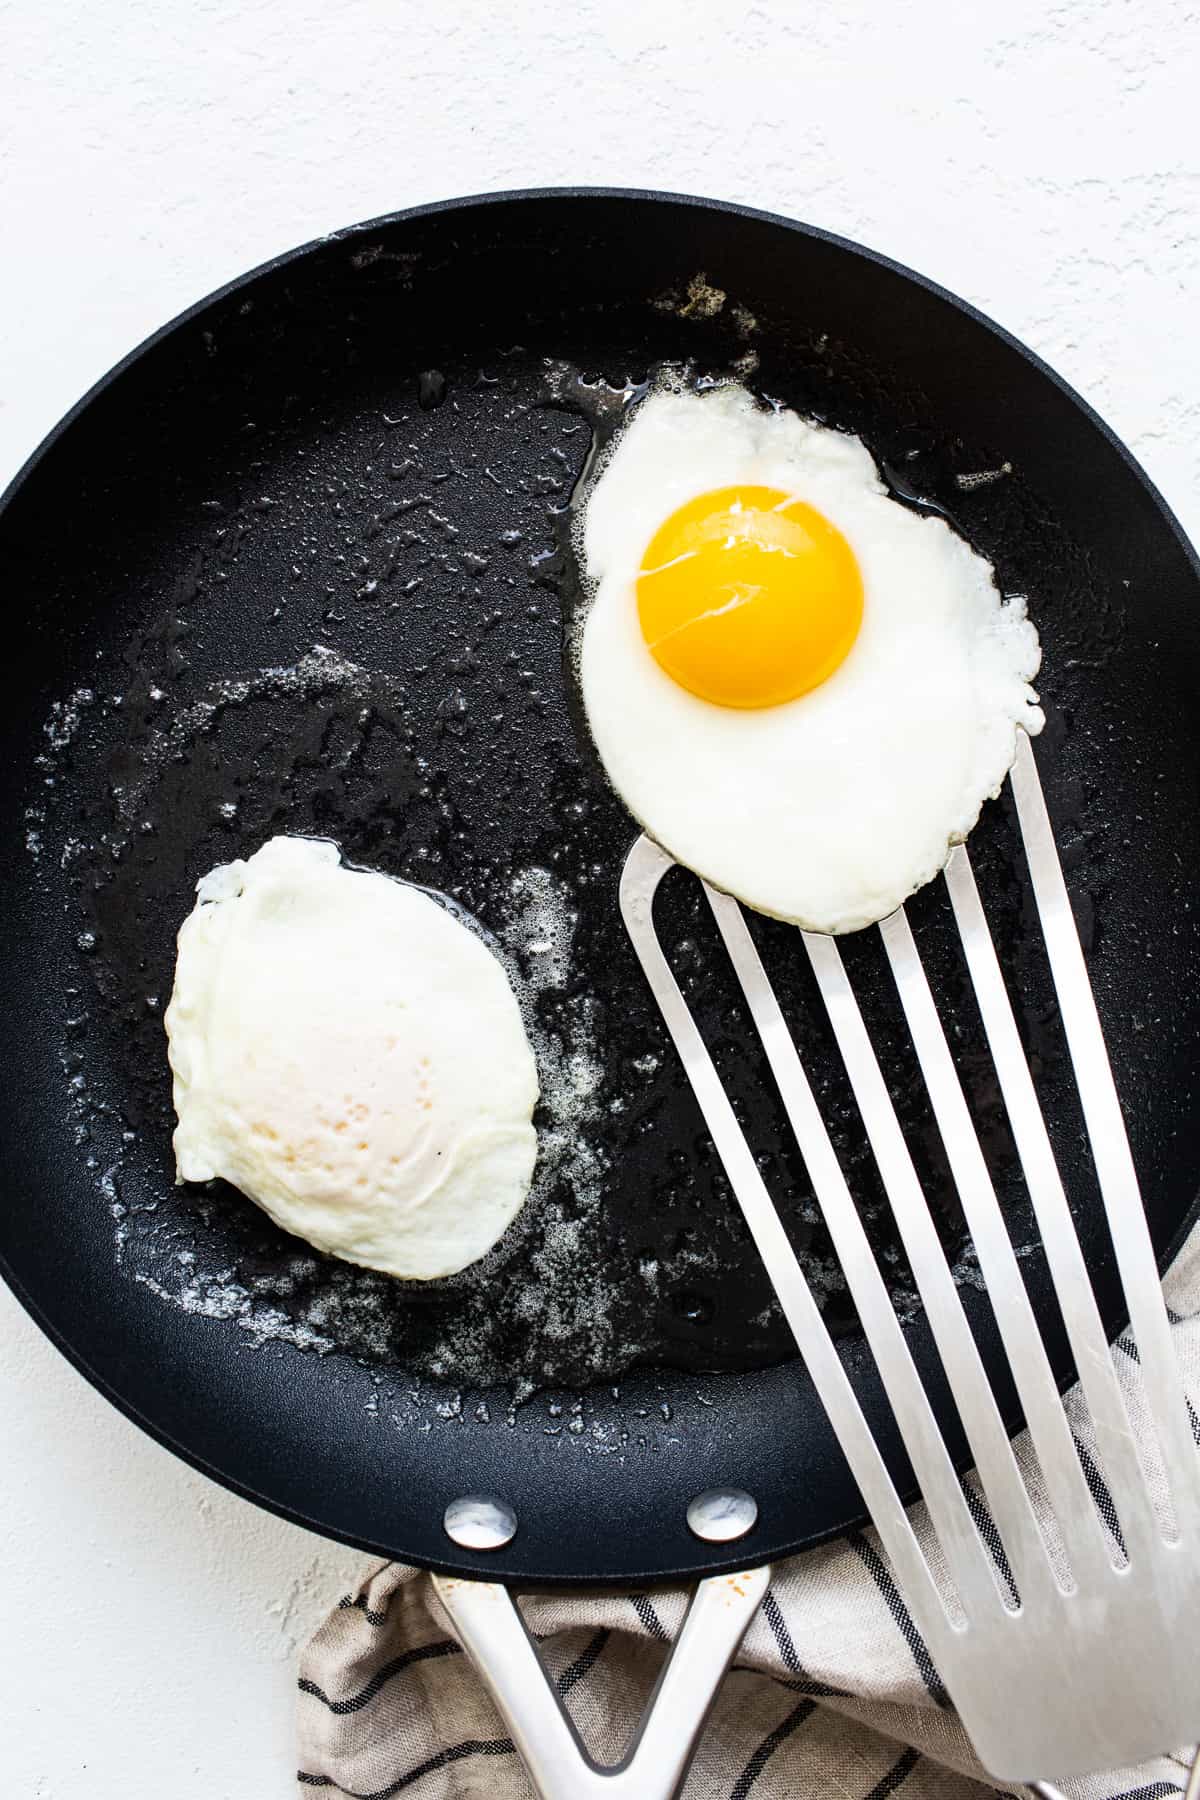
498, 1642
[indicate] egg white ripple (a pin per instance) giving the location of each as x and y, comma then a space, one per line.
830, 809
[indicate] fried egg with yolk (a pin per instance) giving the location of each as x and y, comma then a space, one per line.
351, 1056
802, 689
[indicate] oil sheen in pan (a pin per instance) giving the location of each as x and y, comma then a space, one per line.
444, 557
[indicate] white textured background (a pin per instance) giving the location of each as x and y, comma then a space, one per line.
1041, 158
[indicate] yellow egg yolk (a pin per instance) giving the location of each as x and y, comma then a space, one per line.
749, 597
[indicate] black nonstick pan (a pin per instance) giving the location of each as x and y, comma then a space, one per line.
298, 565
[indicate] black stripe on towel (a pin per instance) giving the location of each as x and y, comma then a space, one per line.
1157, 1790
985, 1525
583, 1664
882, 1577
643, 1606
443, 1759
768, 1747
358, 1603
895, 1775
779, 1631
382, 1675
1100, 1494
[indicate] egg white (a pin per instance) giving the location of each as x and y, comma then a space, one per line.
352, 1057
830, 809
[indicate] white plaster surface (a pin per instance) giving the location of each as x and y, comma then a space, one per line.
1041, 158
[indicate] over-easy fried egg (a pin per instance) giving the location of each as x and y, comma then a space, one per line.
801, 688
350, 1056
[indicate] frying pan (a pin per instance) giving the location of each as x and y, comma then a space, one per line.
300, 564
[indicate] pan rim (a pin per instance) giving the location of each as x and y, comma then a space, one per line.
656, 196
499, 199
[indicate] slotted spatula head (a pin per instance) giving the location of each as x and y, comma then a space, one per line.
1061, 1639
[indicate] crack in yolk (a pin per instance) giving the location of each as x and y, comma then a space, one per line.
749, 597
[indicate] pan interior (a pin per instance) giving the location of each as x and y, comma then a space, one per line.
300, 567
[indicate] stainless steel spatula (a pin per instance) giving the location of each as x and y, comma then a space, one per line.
1077, 1656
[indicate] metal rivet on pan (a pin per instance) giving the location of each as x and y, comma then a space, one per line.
719, 1515
480, 1522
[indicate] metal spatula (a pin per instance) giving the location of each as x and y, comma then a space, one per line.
1075, 1658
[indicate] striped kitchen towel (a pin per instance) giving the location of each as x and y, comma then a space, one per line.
833, 1695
